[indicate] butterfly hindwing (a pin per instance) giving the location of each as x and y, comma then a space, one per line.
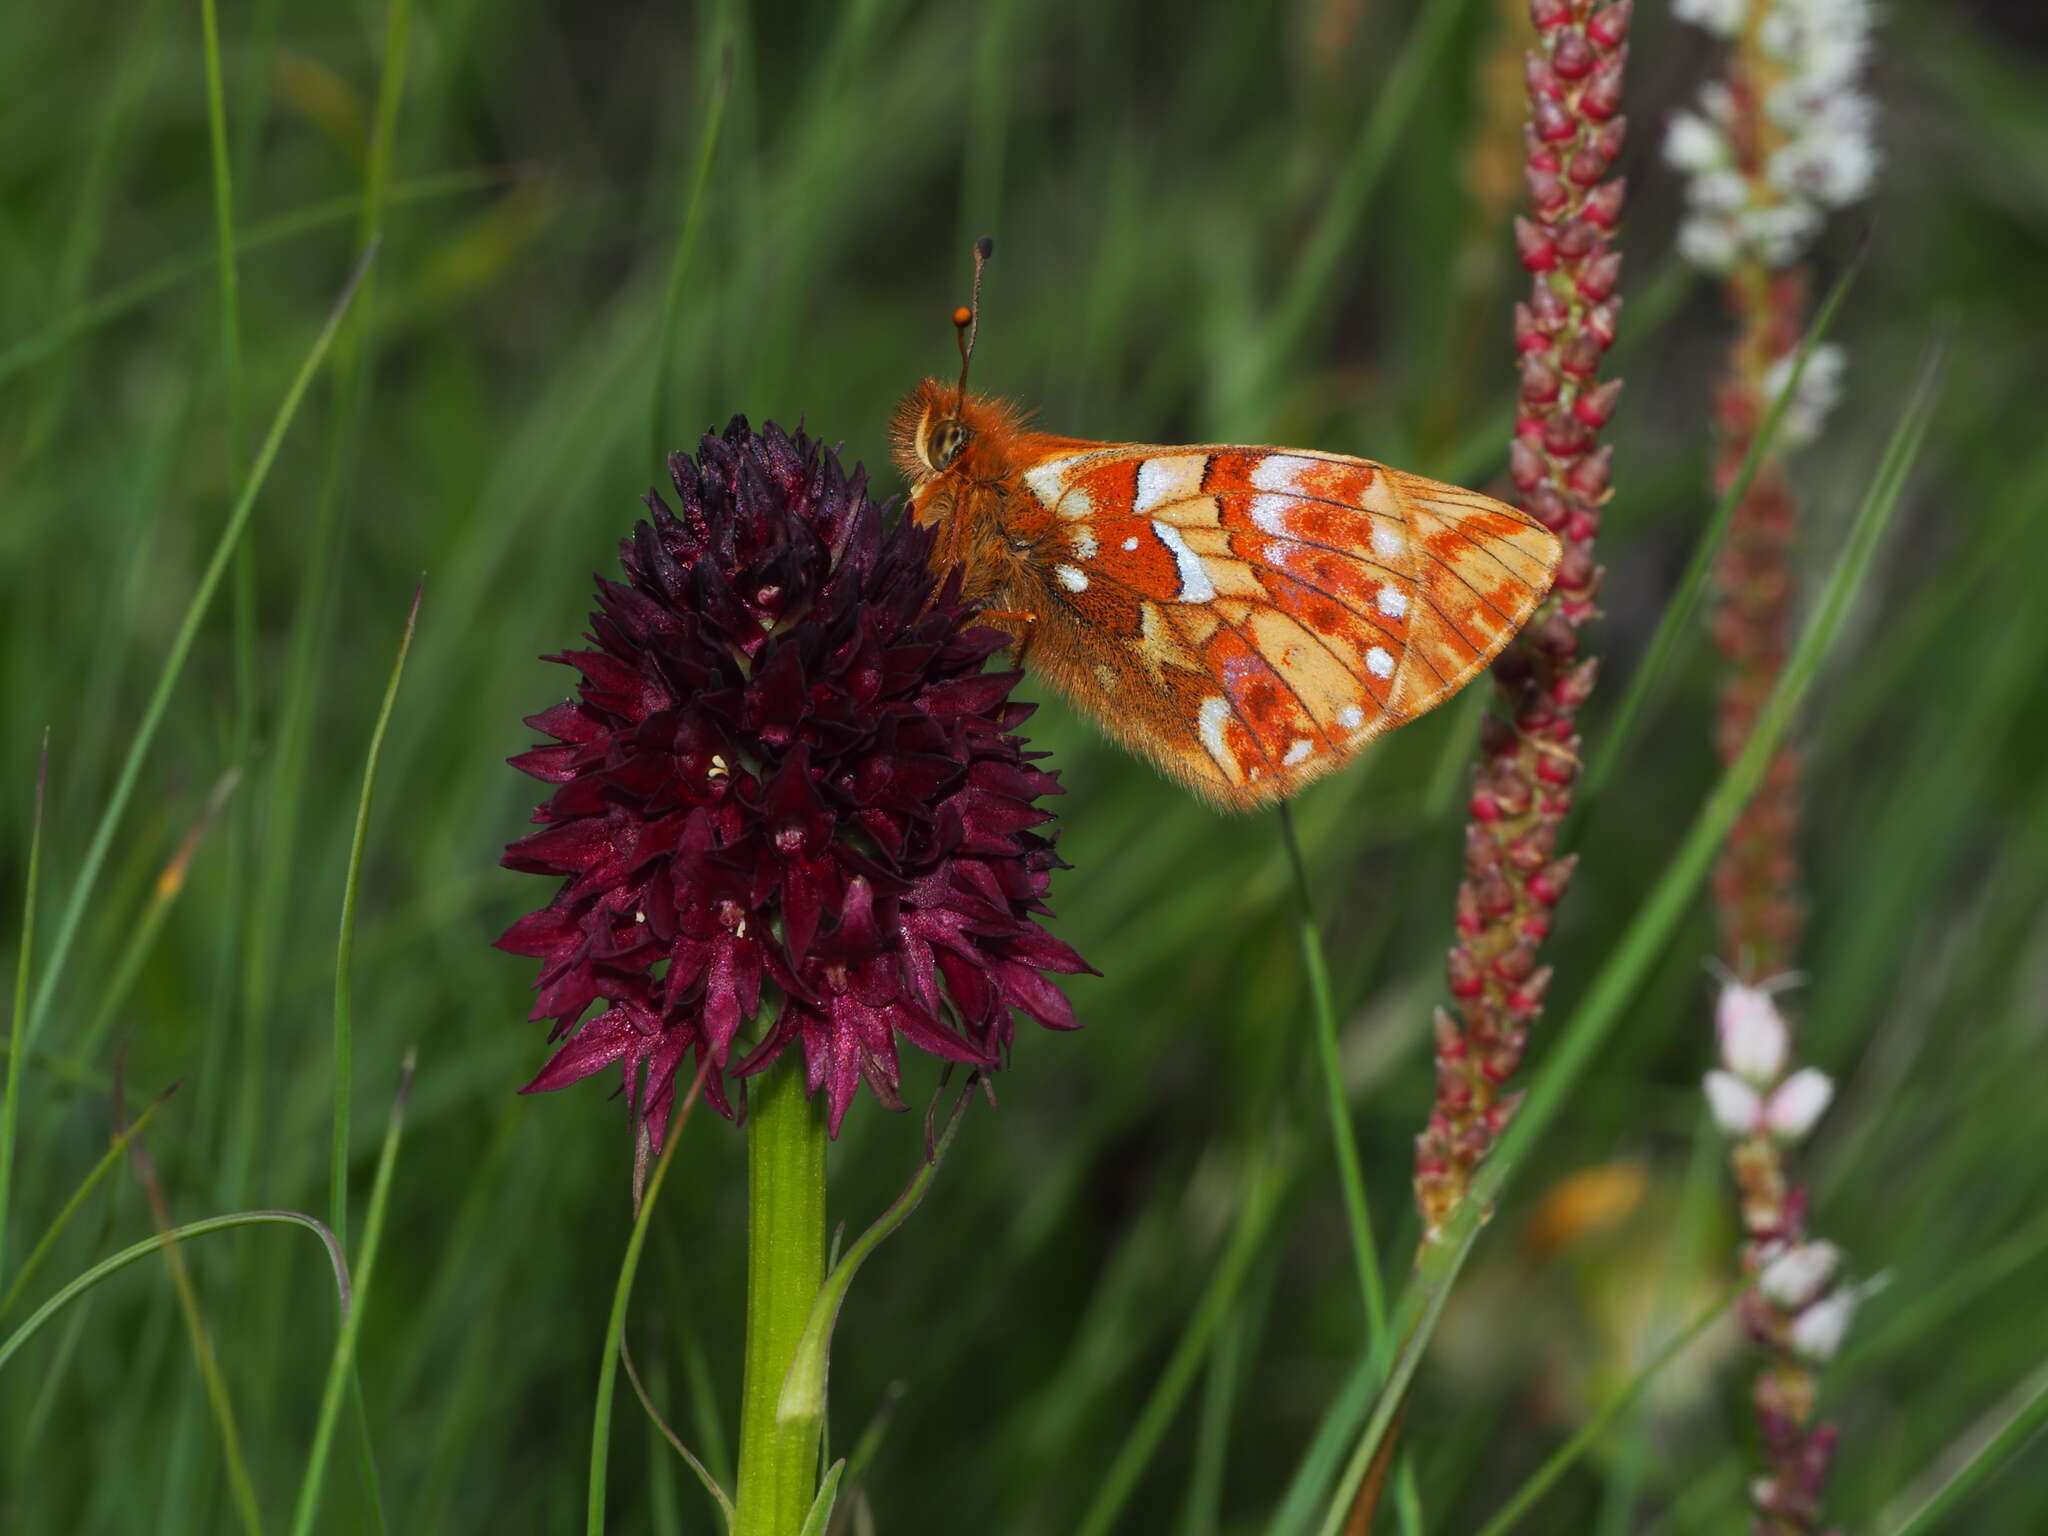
1250, 617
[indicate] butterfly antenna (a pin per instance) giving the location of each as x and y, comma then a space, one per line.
967, 318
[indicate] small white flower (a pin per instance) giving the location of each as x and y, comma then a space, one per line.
1709, 243
1779, 234
1835, 170
1719, 101
1797, 1275
1797, 1104
1817, 1332
1719, 16
1691, 143
1820, 386
1754, 1039
1724, 191
1738, 1108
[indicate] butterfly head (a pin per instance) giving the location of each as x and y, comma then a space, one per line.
937, 423
937, 427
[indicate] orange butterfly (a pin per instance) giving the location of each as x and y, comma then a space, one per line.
1248, 618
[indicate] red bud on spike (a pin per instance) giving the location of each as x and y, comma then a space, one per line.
1597, 405
1546, 191
1609, 26
1588, 478
1571, 56
1496, 896
1540, 382
1516, 963
1525, 465
1603, 203
1600, 98
1526, 1001
1533, 246
1581, 355
1463, 973
1600, 276
1549, 13
1552, 122
1564, 434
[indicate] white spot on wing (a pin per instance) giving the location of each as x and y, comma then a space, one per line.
1072, 577
1209, 718
1195, 585
1169, 478
1298, 750
1280, 472
1386, 541
1045, 479
1392, 602
1084, 543
1351, 717
1131, 543
1379, 662
1270, 512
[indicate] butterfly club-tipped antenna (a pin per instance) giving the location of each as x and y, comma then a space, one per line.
967, 318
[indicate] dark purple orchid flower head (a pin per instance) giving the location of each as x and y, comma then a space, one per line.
785, 776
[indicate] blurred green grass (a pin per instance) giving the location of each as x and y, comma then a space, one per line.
1151, 176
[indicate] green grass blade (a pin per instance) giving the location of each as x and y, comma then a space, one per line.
819, 1520
1561, 1461
1265, 1181
18, 1047
149, 1245
803, 1389
1309, 285
174, 660
293, 736
1676, 623
2020, 1425
659, 431
1202, 1513
125, 298
170, 884
345, 943
1657, 918
224, 224
341, 1367
79, 1196
661, 1427
1344, 1141
615, 1327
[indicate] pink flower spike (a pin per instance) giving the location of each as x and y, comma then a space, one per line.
1797, 1104
1754, 1039
1737, 1108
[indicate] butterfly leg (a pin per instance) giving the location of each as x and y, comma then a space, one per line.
1026, 627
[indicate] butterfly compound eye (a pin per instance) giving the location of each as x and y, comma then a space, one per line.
948, 438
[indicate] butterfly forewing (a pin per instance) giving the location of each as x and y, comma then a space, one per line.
1250, 617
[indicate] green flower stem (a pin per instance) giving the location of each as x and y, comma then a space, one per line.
778, 1473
